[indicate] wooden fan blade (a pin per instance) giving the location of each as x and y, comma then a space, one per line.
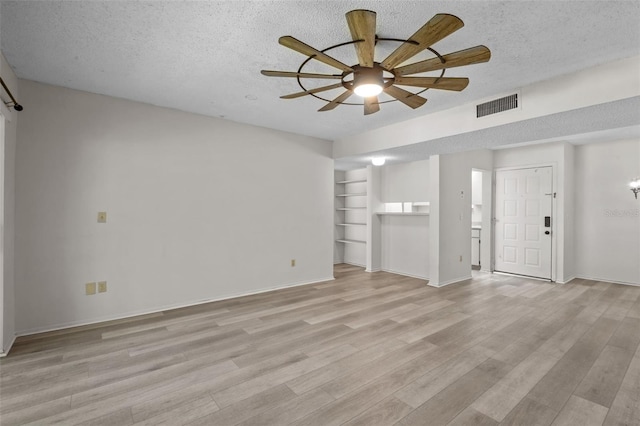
362, 24
305, 49
433, 31
407, 98
371, 105
300, 74
337, 101
473, 55
442, 83
308, 92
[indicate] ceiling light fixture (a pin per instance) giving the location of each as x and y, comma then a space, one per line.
368, 90
378, 161
367, 82
634, 185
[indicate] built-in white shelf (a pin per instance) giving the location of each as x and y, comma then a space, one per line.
350, 218
353, 181
402, 214
351, 241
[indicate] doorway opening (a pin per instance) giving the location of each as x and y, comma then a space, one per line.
481, 211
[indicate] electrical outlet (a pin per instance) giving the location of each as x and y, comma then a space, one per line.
102, 287
293, 263
102, 217
460, 258
90, 288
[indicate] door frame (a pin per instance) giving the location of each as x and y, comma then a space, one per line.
554, 212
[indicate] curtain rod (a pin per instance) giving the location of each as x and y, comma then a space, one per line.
15, 105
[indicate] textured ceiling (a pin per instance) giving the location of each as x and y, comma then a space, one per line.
206, 56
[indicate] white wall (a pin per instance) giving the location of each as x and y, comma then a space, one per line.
486, 237
560, 156
405, 239
569, 250
7, 290
607, 216
476, 197
405, 182
374, 222
198, 208
405, 245
450, 218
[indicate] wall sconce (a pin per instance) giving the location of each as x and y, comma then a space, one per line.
634, 185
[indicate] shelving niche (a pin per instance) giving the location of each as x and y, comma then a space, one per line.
351, 216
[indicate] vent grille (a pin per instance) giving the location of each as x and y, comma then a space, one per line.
498, 105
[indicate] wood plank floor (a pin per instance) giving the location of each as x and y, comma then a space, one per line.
365, 349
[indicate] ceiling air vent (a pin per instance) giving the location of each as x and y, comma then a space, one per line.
498, 105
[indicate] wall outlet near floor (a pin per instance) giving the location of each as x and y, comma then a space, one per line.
293, 263
102, 217
90, 288
102, 287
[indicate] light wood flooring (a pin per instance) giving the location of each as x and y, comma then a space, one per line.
365, 349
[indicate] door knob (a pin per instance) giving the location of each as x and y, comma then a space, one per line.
547, 232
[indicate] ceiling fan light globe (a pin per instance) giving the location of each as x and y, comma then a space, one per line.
368, 90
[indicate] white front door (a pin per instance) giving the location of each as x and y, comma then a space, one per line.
523, 221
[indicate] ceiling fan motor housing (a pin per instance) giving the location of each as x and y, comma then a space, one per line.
366, 75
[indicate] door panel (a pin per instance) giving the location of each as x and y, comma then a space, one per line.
523, 199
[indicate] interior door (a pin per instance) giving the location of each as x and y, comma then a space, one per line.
523, 221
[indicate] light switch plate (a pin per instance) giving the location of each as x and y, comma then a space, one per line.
102, 217
90, 288
102, 287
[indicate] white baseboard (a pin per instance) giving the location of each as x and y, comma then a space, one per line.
404, 274
6, 351
606, 280
71, 324
453, 281
567, 280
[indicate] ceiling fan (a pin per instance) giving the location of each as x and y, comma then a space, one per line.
369, 78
